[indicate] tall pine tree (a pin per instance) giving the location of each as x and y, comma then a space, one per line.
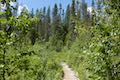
48, 25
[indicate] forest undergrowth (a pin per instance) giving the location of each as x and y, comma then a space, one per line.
33, 44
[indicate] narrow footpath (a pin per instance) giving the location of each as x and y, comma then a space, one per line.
68, 73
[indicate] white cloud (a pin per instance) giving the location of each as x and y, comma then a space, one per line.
89, 9
20, 8
12, 3
2, 7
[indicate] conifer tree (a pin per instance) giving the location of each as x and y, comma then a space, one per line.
78, 16
32, 13
93, 15
37, 13
99, 4
67, 18
38, 25
60, 8
54, 19
83, 10
48, 25
56, 28
71, 34
43, 22
73, 8
63, 15
72, 16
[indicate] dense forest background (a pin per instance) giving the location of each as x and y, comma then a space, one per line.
33, 44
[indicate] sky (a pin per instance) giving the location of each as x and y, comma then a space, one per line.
45, 3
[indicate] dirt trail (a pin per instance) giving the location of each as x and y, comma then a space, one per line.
68, 73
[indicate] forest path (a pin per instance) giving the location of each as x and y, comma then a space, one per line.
68, 73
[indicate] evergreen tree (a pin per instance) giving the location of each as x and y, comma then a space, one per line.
38, 24
67, 18
55, 19
37, 12
73, 8
72, 16
93, 13
66, 23
84, 10
99, 4
71, 34
43, 23
63, 15
32, 13
60, 8
78, 16
56, 29
55, 11
24, 12
48, 25
60, 13
93, 4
